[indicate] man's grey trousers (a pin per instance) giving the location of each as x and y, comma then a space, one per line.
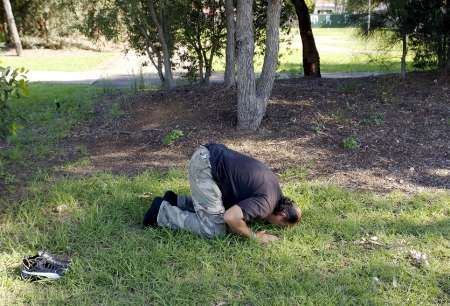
203, 212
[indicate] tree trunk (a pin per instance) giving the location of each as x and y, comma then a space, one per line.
150, 50
168, 77
246, 84
12, 27
265, 82
447, 68
311, 59
158, 64
252, 99
404, 52
230, 71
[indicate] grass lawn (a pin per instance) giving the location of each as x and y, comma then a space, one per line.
117, 262
340, 50
43, 124
64, 62
96, 220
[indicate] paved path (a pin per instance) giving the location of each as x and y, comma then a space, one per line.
127, 70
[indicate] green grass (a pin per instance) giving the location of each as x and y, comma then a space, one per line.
64, 62
43, 124
340, 50
116, 262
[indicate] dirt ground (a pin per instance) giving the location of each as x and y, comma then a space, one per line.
402, 130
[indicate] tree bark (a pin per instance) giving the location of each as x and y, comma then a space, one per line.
158, 64
265, 82
311, 59
447, 68
252, 98
12, 27
403, 59
150, 50
168, 77
230, 66
246, 83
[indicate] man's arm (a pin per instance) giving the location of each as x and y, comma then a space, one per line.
234, 218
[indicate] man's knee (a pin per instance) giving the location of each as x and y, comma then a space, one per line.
168, 215
213, 226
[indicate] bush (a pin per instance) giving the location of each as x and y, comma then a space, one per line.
12, 83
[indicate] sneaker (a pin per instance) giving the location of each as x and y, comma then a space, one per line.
63, 262
170, 197
151, 216
38, 267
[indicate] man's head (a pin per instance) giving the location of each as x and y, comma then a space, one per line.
286, 213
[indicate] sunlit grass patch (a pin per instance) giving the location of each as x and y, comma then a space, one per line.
63, 62
340, 50
50, 111
97, 221
44, 119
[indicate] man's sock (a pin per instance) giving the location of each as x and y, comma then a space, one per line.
171, 197
150, 218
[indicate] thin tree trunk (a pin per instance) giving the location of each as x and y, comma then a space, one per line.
208, 70
311, 59
230, 66
149, 50
201, 68
246, 84
252, 99
404, 52
168, 77
447, 68
201, 57
265, 82
12, 27
157, 64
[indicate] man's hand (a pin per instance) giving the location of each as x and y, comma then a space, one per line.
234, 218
265, 238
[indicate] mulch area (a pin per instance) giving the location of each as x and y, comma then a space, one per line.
402, 129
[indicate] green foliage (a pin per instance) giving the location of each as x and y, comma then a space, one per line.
47, 19
172, 136
431, 36
202, 34
425, 25
134, 22
311, 4
350, 143
12, 83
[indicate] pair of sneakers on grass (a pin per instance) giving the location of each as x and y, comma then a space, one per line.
44, 266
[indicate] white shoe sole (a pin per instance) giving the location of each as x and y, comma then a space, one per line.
48, 275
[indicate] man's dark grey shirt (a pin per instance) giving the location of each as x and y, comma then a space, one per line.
244, 181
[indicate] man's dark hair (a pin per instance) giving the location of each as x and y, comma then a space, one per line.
287, 206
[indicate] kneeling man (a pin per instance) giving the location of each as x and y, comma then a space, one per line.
228, 189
